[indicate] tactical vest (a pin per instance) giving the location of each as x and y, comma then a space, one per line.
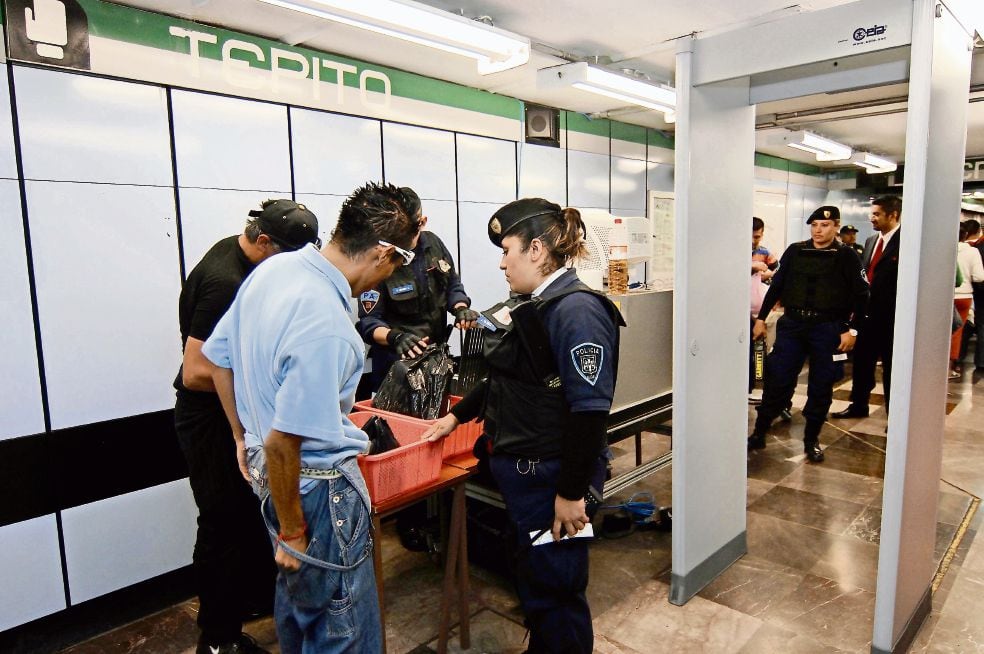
813, 282
421, 310
525, 410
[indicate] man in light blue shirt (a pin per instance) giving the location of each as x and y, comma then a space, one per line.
289, 360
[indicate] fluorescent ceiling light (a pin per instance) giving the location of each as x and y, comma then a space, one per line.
824, 149
494, 49
581, 75
872, 163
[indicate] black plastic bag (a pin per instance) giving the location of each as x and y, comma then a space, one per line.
381, 438
417, 387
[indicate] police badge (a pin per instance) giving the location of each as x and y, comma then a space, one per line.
587, 358
444, 266
495, 226
369, 300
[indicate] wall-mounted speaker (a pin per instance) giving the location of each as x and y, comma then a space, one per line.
542, 125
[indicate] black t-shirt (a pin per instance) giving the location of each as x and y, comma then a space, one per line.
209, 290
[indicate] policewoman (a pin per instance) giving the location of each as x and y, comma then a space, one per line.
409, 311
824, 292
552, 351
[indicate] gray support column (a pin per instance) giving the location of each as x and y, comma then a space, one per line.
935, 141
715, 144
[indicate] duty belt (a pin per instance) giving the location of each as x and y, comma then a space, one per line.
810, 315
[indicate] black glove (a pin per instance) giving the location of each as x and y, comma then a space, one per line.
465, 314
403, 342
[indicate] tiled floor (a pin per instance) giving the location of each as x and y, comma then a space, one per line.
807, 584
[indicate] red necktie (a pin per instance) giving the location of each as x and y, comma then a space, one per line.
875, 258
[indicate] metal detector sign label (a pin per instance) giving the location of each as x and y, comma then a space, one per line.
867, 35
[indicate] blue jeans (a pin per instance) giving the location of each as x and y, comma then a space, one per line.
330, 608
551, 579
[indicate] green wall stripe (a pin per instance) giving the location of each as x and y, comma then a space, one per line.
581, 123
630, 133
148, 29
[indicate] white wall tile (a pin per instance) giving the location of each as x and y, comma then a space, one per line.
334, 154
581, 142
479, 264
587, 180
661, 155
486, 169
127, 539
8, 161
326, 208
442, 219
208, 215
629, 184
20, 383
229, 143
628, 149
420, 158
106, 265
543, 172
30, 571
660, 177
78, 128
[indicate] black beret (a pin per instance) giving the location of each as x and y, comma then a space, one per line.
826, 212
848, 228
508, 217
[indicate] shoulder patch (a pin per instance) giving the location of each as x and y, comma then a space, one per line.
587, 358
369, 300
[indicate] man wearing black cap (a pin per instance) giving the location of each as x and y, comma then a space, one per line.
231, 534
824, 292
849, 237
409, 311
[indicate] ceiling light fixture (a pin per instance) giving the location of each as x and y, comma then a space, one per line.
872, 163
495, 49
823, 148
581, 75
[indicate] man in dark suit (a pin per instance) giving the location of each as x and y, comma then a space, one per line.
881, 264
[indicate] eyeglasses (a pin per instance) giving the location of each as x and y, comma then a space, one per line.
406, 254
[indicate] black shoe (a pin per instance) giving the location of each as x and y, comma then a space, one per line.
813, 452
756, 441
850, 412
786, 415
246, 644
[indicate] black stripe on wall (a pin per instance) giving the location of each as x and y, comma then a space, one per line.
50, 472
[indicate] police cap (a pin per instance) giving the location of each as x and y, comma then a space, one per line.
848, 228
288, 224
826, 212
508, 217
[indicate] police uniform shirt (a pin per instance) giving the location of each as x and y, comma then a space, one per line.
375, 308
582, 337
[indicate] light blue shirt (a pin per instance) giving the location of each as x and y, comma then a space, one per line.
295, 356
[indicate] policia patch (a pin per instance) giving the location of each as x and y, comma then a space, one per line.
587, 358
369, 299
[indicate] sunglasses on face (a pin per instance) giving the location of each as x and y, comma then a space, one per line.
406, 254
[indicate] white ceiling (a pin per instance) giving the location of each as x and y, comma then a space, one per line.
634, 34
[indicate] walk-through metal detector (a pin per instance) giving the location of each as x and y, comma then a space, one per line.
719, 79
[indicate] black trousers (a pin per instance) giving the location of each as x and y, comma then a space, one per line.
233, 560
875, 341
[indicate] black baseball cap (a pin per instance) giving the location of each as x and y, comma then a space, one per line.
288, 224
826, 212
848, 228
505, 219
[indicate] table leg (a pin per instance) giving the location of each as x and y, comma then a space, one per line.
377, 565
638, 448
450, 565
463, 613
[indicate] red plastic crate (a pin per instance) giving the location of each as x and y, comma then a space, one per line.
461, 440
415, 463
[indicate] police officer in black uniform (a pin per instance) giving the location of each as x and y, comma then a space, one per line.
849, 237
552, 351
409, 311
824, 293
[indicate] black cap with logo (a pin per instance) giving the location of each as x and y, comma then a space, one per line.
505, 219
826, 212
288, 224
848, 228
